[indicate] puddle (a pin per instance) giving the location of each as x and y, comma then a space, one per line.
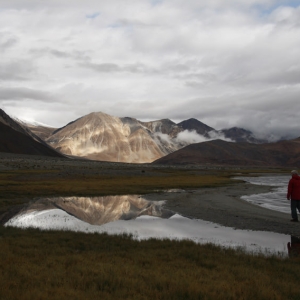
276, 198
143, 219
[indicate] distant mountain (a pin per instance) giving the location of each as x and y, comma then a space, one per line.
218, 152
241, 135
194, 124
16, 139
103, 137
100, 136
164, 126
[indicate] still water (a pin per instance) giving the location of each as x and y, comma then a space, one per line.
142, 219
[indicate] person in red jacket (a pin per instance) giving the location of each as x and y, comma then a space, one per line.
293, 194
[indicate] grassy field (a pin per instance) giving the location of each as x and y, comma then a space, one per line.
68, 265
65, 265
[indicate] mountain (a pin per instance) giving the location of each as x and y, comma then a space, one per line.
164, 126
240, 135
40, 130
103, 137
16, 139
218, 152
194, 124
100, 136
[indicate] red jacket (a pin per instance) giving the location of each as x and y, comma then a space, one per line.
294, 188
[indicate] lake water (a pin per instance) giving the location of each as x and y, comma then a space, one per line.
276, 198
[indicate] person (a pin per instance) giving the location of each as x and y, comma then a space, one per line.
293, 194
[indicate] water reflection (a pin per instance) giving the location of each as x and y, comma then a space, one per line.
294, 246
101, 210
144, 219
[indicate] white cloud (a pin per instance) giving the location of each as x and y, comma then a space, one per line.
192, 137
224, 62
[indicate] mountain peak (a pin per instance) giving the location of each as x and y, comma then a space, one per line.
241, 135
194, 124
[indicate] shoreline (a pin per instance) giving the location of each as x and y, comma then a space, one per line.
223, 205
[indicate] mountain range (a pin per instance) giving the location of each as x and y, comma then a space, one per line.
100, 136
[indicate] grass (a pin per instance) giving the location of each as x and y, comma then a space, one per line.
67, 265
20, 185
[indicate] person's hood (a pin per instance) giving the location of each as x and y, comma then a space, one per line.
295, 176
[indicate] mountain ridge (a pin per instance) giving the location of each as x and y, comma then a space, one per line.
100, 136
218, 152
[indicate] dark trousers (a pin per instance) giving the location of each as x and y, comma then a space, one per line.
295, 204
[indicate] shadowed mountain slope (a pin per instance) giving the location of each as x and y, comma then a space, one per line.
15, 138
12, 141
218, 152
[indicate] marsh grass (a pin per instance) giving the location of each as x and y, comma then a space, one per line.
68, 265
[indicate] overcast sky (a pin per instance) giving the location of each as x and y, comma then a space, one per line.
224, 62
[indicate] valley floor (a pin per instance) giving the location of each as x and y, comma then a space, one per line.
67, 265
218, 203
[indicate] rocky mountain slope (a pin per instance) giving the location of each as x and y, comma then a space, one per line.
218, 152
103, 137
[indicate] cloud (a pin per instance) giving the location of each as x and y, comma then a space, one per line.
162, 137
192, 137
226, 63
7, 41
23, 94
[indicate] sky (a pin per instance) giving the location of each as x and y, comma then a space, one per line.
224, 62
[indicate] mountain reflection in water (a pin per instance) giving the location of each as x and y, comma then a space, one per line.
101, 210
